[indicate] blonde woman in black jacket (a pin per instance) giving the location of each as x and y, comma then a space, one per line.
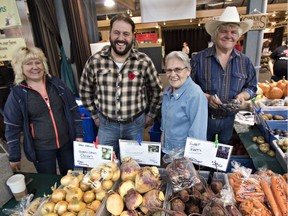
46, 110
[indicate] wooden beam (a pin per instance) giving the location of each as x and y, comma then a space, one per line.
241, 10
103, 23
151, 25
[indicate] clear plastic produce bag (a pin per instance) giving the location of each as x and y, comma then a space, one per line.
19, 209
182, 174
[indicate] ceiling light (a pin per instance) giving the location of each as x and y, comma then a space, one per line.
273, 14
107, 18
164, 23
190, 20
109, 3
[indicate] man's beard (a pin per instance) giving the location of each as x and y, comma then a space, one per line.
118, 52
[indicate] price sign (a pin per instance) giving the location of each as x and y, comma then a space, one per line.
208, 154
88, 155
148, 153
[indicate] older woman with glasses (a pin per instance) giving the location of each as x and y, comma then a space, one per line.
184, 106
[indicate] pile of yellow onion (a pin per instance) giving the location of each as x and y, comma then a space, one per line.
81, 194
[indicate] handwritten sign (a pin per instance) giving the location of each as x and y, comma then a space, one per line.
260, 20
207, 154
9, 15
148, 153
87, 155
9, 46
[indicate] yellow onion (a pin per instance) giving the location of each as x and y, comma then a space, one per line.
74, 183
113, 165
51, 214
80, 176
100, 195
106, 172
116, 175
58, 195
95, 174
68, 214
61, 207
86, 212
65, 180
84, 186
94, 205
107, 184
73, 193
76, 205
47, 207
88, 196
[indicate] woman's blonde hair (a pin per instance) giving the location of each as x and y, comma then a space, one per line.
23, 55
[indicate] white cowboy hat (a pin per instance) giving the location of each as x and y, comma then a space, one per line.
229, 15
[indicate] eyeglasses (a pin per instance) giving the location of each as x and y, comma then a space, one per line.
176, 70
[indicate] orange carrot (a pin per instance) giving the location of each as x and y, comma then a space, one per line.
231, 182
268, 192
279, 194
284, 185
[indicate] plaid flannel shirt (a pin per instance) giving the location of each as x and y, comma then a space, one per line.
120, 93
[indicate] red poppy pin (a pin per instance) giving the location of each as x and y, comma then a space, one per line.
131, 75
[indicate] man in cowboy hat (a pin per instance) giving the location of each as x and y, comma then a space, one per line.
226, 76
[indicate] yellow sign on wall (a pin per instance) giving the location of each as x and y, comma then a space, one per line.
9, 15
9, 46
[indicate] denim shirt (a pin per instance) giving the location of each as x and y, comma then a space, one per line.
184, 114
239, 76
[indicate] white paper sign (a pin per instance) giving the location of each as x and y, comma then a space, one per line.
148, 153
206, 154
87, 155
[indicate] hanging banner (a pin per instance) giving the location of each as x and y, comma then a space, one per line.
9, 15
9, 46
165, 10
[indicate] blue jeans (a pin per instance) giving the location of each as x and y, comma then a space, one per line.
109, 133
223, 127
47, 160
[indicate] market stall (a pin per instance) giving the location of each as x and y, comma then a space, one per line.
171, 182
